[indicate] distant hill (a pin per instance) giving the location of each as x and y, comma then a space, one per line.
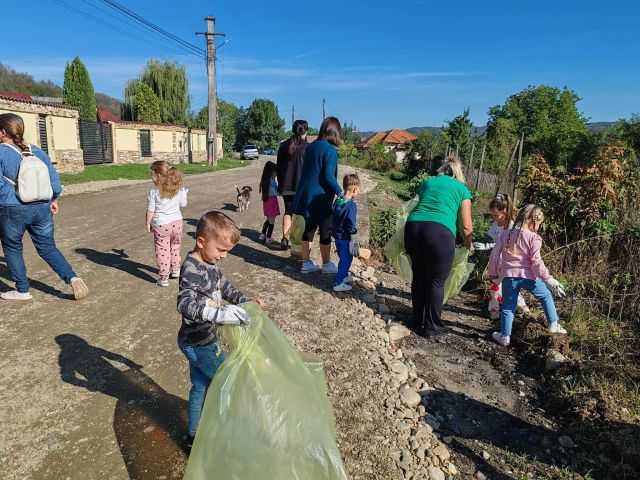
12, 81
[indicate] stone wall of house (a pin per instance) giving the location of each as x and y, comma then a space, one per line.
131, 156
62, 131
198, 157
69, 161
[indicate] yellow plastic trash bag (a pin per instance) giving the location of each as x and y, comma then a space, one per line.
266, 415
298, 226
459, 275
399, 259
394, 251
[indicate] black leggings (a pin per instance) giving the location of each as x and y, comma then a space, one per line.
288, 204
431, 247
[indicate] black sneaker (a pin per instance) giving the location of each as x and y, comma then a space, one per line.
284, 244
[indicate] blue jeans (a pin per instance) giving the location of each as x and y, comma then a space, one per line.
35, 218
511, 289
342, 246
204, 362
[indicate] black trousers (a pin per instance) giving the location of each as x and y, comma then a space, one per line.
431, 247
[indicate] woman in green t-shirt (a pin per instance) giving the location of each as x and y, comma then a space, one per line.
430, 241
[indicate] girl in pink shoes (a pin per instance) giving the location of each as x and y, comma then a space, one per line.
164, 218
516, 259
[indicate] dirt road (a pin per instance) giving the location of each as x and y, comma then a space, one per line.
96, 389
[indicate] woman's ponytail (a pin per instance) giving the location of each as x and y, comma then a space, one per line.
13, 127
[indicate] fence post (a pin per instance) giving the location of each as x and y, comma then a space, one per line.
515, 180
513, 156
484, 150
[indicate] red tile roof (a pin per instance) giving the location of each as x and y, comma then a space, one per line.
391, 137
105, 115
17, 96
24, 98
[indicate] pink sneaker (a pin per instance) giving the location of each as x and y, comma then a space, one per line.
500, 339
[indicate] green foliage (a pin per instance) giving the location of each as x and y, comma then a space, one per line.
383, 226
398, 176
350, 134
347, 152
377, 158
140, 104
228, 116
549, 119
12, 81
631, 133
261, 125
414, 184
457, 134
425, 152
169, 82
78, 89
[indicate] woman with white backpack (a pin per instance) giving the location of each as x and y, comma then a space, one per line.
29, 188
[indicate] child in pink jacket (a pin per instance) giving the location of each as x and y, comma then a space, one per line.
516, 259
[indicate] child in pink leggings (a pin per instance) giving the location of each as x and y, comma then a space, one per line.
164, 218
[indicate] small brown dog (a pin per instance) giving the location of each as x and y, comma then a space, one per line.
243, 198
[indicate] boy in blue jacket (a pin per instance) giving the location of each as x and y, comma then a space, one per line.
345, 231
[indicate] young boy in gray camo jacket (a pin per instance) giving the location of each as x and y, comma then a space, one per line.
203, 288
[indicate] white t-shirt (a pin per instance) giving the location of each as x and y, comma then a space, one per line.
496, 230
166, 210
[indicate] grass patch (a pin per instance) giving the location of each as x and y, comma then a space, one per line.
136, 171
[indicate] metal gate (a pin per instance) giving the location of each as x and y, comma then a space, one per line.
96, 142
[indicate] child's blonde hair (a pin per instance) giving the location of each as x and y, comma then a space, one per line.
529, 213
169, 178
453, 168
217, 225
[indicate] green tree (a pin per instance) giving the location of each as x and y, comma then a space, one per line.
228, 115
261, 124
78, 89
631, 133
457, 134
140, 104
350, 134
169, 82
549, 119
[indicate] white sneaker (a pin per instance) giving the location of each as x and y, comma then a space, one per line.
557, 328
500, 339
163, 283
174, 275
330, 268
15, 295
309, 267
343, 287
262, 237
349, 279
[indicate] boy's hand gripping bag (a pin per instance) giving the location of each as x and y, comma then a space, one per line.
399, 259
298, 226
266, 415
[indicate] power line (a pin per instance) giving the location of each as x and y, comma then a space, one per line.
136, 34
190, 47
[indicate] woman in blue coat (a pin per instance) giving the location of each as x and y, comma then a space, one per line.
17, 217
317, 190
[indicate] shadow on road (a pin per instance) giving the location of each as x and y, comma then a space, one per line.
119, 260
35, 284
230, 207
149, 423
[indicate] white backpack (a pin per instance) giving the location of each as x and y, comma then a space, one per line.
33, 183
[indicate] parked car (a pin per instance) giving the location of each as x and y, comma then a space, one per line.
268, 151
250, 152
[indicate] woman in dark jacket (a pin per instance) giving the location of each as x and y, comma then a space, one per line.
290, 160
316, 192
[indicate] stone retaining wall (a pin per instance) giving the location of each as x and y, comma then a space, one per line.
69, 161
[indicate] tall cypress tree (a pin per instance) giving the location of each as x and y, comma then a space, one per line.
78, 90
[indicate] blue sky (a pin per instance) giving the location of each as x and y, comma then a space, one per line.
379, 64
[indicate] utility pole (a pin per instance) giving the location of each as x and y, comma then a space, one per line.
212, 130
324, 115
